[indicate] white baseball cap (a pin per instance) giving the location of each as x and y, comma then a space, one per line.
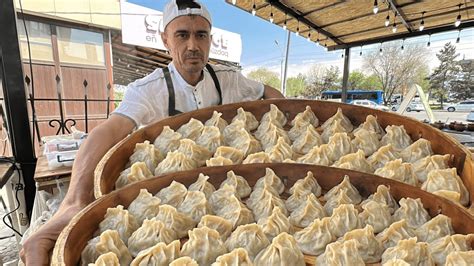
177, 8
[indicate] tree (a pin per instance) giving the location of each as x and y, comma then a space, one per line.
266, 77
396, 69
331, 80
356, 79
445, 73
314, 80
462, 86
295, 86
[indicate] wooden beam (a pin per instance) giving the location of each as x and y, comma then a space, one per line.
323, 8
403, 17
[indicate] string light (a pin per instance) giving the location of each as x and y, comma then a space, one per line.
309, 36
298, 29
234, 2
360, 53
342, 55
458, 39
317, 40
326, 46
387, 19
403, 43
254, 8
394, 27
380, 50
429, 41
284, 24
271, 14
376, 7
422, 24
458, 18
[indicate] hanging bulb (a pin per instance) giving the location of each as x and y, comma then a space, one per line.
387, 21
309, 37
403, 44
403, 48
326, 46
394, 27
360, 53
458, 18
298, 29
422, 24
458, 39
284, 24
428, 44
376, 7
234, 2
380, 51
342, 55
271, 17
254, 11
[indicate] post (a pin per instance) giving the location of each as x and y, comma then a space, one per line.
345, 74
287, 49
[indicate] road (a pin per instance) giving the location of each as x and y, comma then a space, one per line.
444, 116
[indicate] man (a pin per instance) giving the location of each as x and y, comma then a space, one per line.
188, 83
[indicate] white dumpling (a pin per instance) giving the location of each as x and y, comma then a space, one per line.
195, 205
366, 141
318, 155
306, 213
339, 145
220, 198
396, 262
341, 253
110, 241
191, 130
179, 222
248, 118
394, 233
308, 116
231, 153
274, 116
195, 152
241, 186
175, 161
159, 254
371, 125
216, 121
250, 237
269, 134
448, 194
168, 140
457, 258
147, 153
217, 223
308, 139
338, 199
299, 126
263, 207
397, 170
204, 245
383, 196
354, 161
412, 211
298, 197
438, 227
258, 193
339, 116
137, 172
275, 224
280, 151
218, 161
184, 261
245, 142
410, 251
203, 185
383, 155
351, 191
232, 130
237, 257
442, 247
376, 214
312, 240
173, 194
259, 157
150, 233
107, 259
446, 179
282, 251
369, 248
416, 151
211, 138
236, 213
89, 254
120, 220
330, 131
144, 206
344, 219
422, 167
397, 136
308, 183
270, 178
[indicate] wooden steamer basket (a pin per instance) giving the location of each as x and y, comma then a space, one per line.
116, 158
74, 237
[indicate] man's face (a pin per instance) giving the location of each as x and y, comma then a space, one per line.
188, 39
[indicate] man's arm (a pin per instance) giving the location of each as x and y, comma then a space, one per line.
270, 92
36, 250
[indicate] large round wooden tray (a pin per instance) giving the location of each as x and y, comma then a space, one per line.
81, 228
114, 161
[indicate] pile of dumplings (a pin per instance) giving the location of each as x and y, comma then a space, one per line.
369, 148
273, 225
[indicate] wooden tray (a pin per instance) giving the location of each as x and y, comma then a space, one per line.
74, 237
116, 158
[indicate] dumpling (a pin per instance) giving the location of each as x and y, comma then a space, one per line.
195, 152
237, 257
144, 206
147, 153
368, 246
383, 196
110, 241
351, 191
298, 197
179, 222
184, 261
275, 224
150, 233
263, 207
305, 214
280, 151
245, 142
335, 201
307, 183
394, 233
319, 155
341, 253
270, 178
258, 194
282, 251
416, 151
232, 131
446, 179
339, 145
236, 213
412, 211
457, 258
383, 155
175, 161
159, 254
354, 161
438, 227
120, 220
241, 186
107, 259
448, 194
444, 246
396, 262
204, 245
248, 118
269, 136
312, 240
89, 254
138, 171
211, 138
250, 237
424, 166
298, 128
191, 130
344, 219
334, 128
366, 141
203, 185
397, 136
231, 153
220, 198
410, 251
371, 125
195, 205
339, 116
216, 121
377, 215
399, 171
308, 116
259, 157
168, 140
217, 223
307, 140
218, 161
173, 194
274, 116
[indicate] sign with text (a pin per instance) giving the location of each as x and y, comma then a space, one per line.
142, 26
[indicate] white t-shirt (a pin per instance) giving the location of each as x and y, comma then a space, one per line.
146, 99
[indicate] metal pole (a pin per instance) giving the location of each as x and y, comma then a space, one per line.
287, 49
345, 74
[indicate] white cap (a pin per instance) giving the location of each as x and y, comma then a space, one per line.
172, 10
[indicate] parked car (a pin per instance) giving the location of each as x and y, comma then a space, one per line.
370, 104
470, 116
414, 106
461, 106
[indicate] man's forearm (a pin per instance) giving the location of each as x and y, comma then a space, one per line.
270, 92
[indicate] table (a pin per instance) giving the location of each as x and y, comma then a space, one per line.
46, 178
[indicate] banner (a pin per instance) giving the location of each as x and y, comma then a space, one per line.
141, 26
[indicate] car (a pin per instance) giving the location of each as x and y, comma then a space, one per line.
414, 106
461, 106
370, 104
470, 116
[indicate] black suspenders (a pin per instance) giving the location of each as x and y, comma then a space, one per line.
171, 96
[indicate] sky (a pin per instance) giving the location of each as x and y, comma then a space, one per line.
260, 38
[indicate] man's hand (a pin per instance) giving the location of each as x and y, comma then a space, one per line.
270, 93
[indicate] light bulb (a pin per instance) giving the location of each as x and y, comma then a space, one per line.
403, 48
376, 7
271, 18
458, 21
254, 11
380, 51
458, 40
428, 44
360, 54
422, 25
394, 28
387, 21
309, 37
284, 27
234, 2
298, 32
317, 42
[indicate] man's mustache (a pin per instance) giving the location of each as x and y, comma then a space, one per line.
193, 55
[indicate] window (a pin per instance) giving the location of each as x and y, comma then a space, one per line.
39, 35
80, 47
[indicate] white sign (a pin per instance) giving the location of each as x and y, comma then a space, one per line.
141, 26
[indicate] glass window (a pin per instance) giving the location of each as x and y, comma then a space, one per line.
80, 47
39, 35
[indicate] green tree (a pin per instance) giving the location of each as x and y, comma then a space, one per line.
295, 86
445, 73
356, 80
371, 83
462, 86
266, 77
331, 80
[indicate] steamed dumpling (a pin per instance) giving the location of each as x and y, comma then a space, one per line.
259, 157
150, 233
280, 151
306, 213
168, 140
221, 197
204, 245
274, 116
424, 166
245, 142
231, 153
159, 254
184, 261
248, 118
397, 136
271, 179
179, 222
89, 254
307, 183
137, 172
195, 205
269, 134
107, 259
341, 253
232, 130
446, 179
120, 220
147, 153
339, 145
383, 155
371, 125
438, 227
297, 198
263, 207
308, 139
344, 219
394, 233
236, 213
218, 161
351, 191
282, 251
236, 257
195, 152
275, 224
308, 116
354, 161
191, 130
399, 171
216, 121
330, 131
144, 206
366, 141
460, 258
250, 237
203, 185
318, 155
383, 196
441, 248
313, 239
338, 199
175, 161
217, 223
211, 138
377, 215
241, 186
173, 194
339, 116
110, 241
412, 211
416, 151
410, 251
298, 128
369, 248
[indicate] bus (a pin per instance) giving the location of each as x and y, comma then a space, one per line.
375, 96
